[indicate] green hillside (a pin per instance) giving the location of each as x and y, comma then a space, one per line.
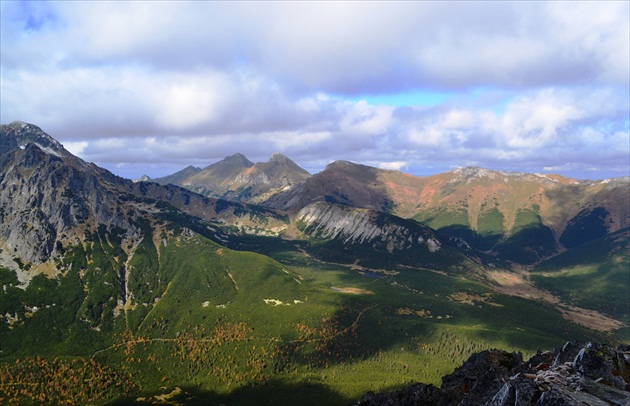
229, 326
593, 275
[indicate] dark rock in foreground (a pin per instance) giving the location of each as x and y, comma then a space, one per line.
576, 374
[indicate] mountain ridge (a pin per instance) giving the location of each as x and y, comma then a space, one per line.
237, 178
490, 210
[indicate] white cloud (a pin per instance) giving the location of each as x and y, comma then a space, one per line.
76, 147
392, 165
189, 102
297, 142
531, 83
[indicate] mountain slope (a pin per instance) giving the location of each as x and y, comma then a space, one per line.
176, 178
593, 275
521, 217
372, 239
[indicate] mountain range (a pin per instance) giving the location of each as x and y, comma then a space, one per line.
249, 283
237, 178
516, 216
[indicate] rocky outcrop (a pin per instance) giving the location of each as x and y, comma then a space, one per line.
358, 226
18, 134
576, 374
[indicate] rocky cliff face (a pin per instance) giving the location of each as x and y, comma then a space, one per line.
362, 226
576, 374
46, 193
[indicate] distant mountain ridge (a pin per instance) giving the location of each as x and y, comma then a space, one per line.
497, 211
237, 178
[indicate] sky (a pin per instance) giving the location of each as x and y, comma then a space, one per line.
422, 87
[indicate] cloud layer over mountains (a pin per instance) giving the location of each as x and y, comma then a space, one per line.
529, 86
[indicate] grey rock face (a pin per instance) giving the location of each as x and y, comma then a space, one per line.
519, 391
596, 361
351, 225
44, 195
18, 135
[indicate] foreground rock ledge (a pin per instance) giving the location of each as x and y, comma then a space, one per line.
577, 374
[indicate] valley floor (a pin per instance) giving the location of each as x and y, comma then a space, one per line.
516, 283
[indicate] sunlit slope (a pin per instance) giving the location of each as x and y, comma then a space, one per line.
210, 282
594, 275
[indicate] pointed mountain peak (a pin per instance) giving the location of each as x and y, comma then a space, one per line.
237, 159
278, 157
18, 134
281, 162
143, 178
342, 165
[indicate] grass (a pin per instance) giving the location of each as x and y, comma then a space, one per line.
593, 275
528, 241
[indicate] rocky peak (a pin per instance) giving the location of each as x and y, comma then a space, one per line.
143, 178
236, 159
18, 134
279, 158
340, 164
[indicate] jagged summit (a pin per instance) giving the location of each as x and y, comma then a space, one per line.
18, 134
